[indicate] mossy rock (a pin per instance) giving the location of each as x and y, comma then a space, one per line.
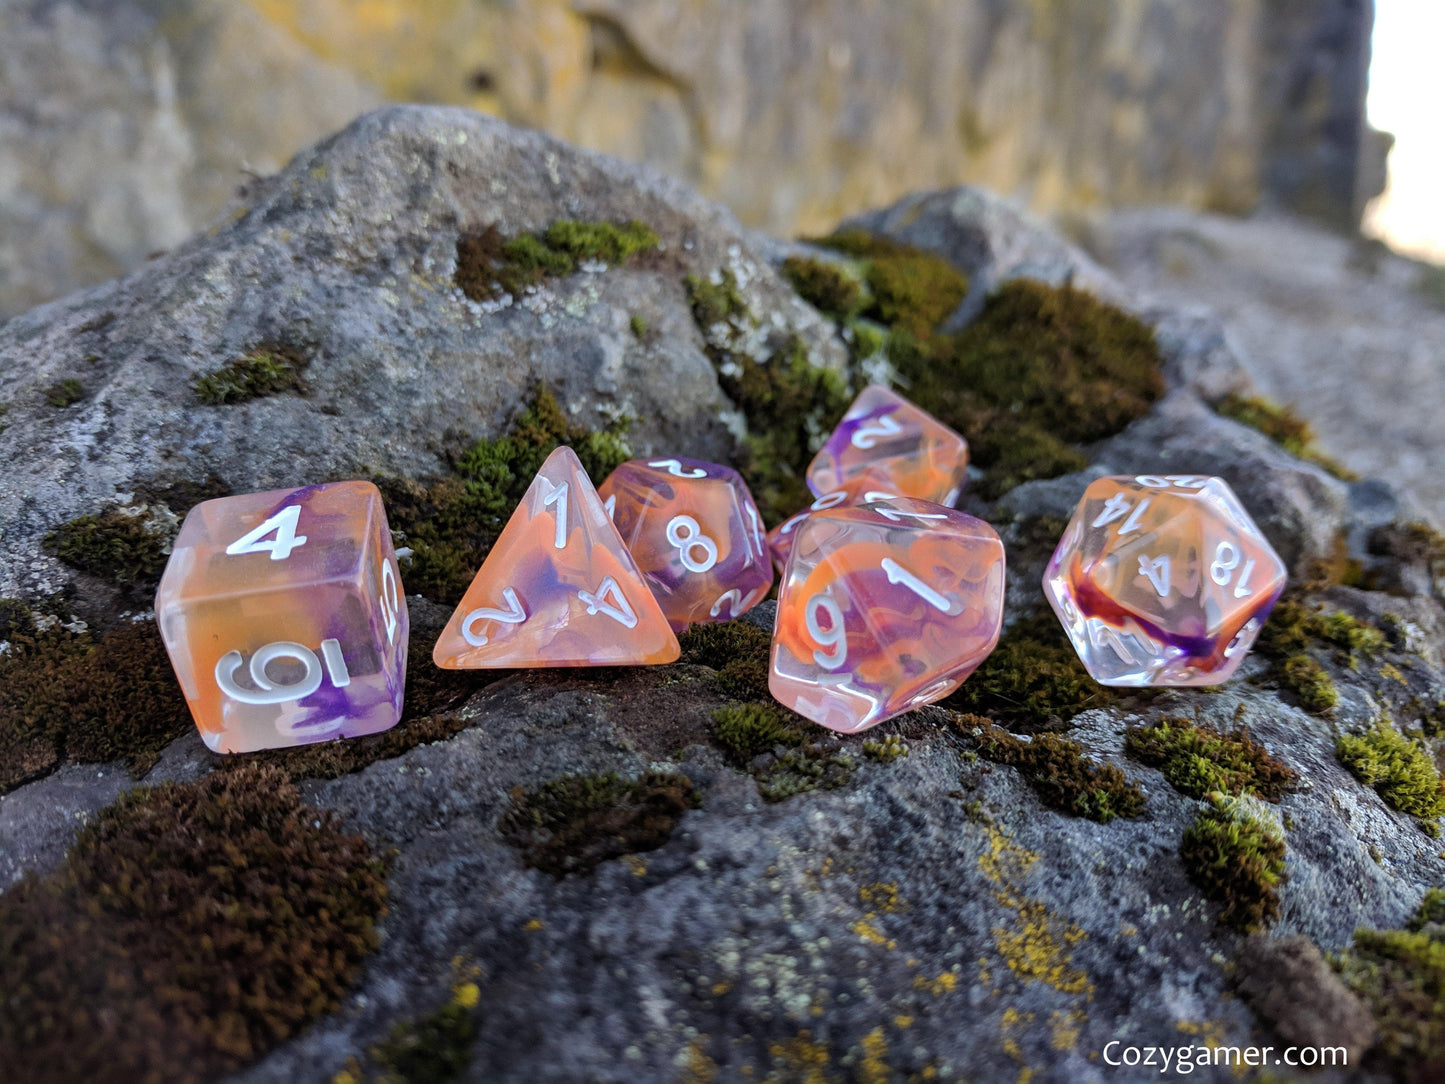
575, 823
266, 370
1199, 760
489, 265
912, 289
191, 928
1400, 770
1282, 425
64, 393
828, 287
1236, 858
784, 753
126, 549
738, 650
1059, 772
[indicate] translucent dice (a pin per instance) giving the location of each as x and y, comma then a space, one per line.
284, 617
695, 533
884, 607
1162, 580
884, 442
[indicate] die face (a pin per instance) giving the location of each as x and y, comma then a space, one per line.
284, 617
558, 588
696, 535
1162, 580
883, 608
884, 442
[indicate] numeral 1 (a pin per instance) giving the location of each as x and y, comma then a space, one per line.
865, 436
896, 573
270, 692
512, 615
558, 496
284, 524
756, 525
620, 610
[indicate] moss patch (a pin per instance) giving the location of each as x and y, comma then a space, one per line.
1294, 627
885, 750
64, 393
84, 697
192, 928
267, 370
489, 265
1236, 858
1033, 679
575, 823
1399, 769
432, 1048
1282, 425
1400, 975
737, 650
451, 523
1059, 772
124, 547
1199, 759
913, 290
827, 287
1311, 684
785, 754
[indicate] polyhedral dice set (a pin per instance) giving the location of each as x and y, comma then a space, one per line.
285, 620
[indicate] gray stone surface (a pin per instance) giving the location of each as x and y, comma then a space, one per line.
1347, 333
931, 914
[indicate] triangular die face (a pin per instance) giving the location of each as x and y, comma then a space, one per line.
558, 588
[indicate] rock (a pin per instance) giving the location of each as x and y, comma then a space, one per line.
894, 913
128, 123
1288, 982
347, 258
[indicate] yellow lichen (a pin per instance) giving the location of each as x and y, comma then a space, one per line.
870, 933
805, 1057
534, 924
1065, 1029
873, 1066
946, 983
881, 897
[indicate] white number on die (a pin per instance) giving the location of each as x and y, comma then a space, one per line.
512, 615
685, 535
1226, 560
674, 468
283, 523
1157, 570
390, 601
867, 435
833, 639
896, 573
268, 691
620, 610
1116, 507
737, 602
558, 496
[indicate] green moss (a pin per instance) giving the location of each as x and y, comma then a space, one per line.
64, 393
750, 730
1041, 369
828, 287
1398, 768
85, 698
783, 752
638, 325
1236, 858
1033, 679
1311, 685
1199, 760
126, 549
913, 290
191, 928
715, 302
575, 823
1059, 772
267, 370
431, 1049
451, 523
885, 750
1294, 626
737, 650
489, 265
1400, 976
1282, 425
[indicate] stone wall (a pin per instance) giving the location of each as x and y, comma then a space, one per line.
126, 123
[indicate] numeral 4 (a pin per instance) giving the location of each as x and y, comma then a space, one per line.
1157, 570
512, 615
620, 610
674, 468
865, 436
283, 523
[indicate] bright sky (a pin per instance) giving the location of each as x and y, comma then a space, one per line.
1407, 97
